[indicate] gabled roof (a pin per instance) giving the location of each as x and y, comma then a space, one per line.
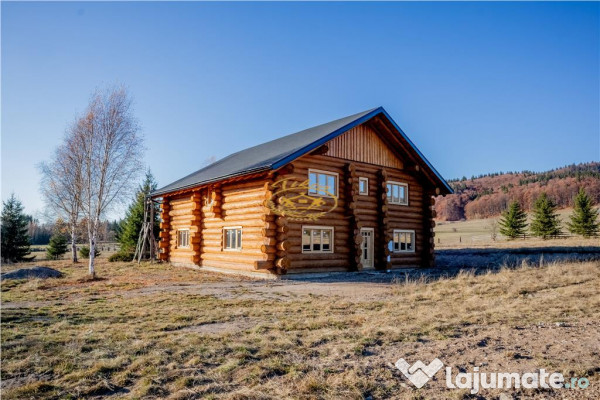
279, 152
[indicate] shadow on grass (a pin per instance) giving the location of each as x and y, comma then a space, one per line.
450, 263
491, 258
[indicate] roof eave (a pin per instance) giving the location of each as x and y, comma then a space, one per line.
160, 193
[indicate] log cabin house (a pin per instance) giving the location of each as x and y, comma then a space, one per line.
349, 195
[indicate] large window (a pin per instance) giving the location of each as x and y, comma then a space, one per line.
397, 193
183, 238
322, 183
232, 238
404, 241
363, 186
317, 239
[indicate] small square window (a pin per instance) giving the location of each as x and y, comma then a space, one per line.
397, 193
183, 238
232, 238
322, 183
404, 241
317, 239
363, 186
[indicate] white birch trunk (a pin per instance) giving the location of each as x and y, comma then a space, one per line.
74, 243
92, 270
93, 231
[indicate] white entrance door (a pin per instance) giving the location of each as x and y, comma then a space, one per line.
367, 248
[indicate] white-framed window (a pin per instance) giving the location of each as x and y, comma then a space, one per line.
317, 239
397, 193
322, 183
232, 238
404, 241
363, 186
183, 238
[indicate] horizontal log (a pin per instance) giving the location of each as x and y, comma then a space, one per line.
320, 263
181, 251
268, 232
179, 259
282, 253
259, 209
366, 205
256, 224
264, 265
242, 186
258, 194
366, 211
236, 258
268, 249
239, 266
246, 205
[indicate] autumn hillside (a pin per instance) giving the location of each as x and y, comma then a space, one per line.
488, 195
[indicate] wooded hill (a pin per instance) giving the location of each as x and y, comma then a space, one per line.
488, 195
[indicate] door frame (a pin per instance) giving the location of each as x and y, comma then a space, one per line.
371, 248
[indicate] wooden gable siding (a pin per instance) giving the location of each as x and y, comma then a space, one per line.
369, 213
364, 145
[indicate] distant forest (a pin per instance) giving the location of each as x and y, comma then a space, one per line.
488, 195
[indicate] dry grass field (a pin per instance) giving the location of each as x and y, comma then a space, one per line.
156, 331
478, 233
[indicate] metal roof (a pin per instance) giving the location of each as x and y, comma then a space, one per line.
279, 152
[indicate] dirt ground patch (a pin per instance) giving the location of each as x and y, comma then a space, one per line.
155, 331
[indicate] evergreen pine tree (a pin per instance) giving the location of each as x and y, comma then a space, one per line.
129, 229
15, 240
545, 221
57, 247
513, 221
84, 252
584, 220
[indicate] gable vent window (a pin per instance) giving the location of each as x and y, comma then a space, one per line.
232, 238
322, 183
404, 241
363, 186
397, 193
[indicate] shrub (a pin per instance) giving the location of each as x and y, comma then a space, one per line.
57, 247
121, 255
84, 252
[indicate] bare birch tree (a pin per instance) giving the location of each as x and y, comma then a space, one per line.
109, 141
62, 184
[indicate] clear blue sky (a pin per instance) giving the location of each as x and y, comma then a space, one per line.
479, 87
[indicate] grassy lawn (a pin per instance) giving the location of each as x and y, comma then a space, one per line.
158, 331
